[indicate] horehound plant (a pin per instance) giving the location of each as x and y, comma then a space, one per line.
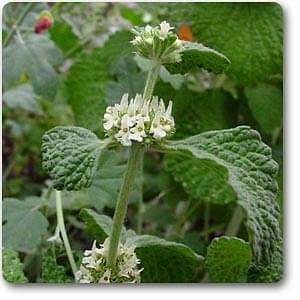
70, 156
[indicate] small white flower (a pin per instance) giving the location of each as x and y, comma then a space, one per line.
125, 271
164, 29
105, 277
124, 104
124, 134
156, 128
138, 132
148, 28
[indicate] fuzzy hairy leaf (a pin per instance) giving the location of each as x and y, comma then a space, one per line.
70, 156
88, 76
51, 271
249, 34
62, 35
22, 97
12, 267
35, 58
203, 180
106, 184
165, 261
265, 102
25, 224
251, 173
273, 272
196, 55
228, 260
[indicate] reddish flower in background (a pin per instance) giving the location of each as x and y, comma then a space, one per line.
44, 22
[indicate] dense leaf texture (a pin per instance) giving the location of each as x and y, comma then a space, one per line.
25, 225
265, 102
251, 173
203, 180
70, 156
51, 271
249, 34
88, 76
35, 58
228, 260
273, 272
12, 268
196, 55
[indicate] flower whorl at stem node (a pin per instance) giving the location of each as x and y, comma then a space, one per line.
158, 43
94, 267
140, 120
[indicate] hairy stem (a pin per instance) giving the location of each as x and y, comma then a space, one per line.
151, 79
235, 222
62, 229
133, 165
19, 21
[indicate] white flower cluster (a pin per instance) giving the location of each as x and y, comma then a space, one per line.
158, 43
93, 268
139, 120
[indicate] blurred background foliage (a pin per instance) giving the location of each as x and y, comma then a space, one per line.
68, 74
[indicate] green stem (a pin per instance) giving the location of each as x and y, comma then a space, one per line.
151, 79
62, 229
19, 21
134, 159
140, 204
235, 222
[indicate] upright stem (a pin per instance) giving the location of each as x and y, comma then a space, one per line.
136, 151
62, 229
235, 222
151, 79
19, 21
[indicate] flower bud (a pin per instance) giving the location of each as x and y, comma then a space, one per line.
44, 22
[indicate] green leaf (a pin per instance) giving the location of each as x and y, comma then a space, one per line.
22, 97
129, 80
228, 260
88, 76
98, 226
273, 272
251, 171
12, 267
249, 34
25, 224
165, 261
196, 55
70, 156
202, 180
198, 112
106, 184
34, 57
51, 271
62, 35
265, 102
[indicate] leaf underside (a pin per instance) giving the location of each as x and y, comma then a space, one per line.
70, 156
196, 55
251, 172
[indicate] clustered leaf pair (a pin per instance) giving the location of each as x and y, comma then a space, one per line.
70, 156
